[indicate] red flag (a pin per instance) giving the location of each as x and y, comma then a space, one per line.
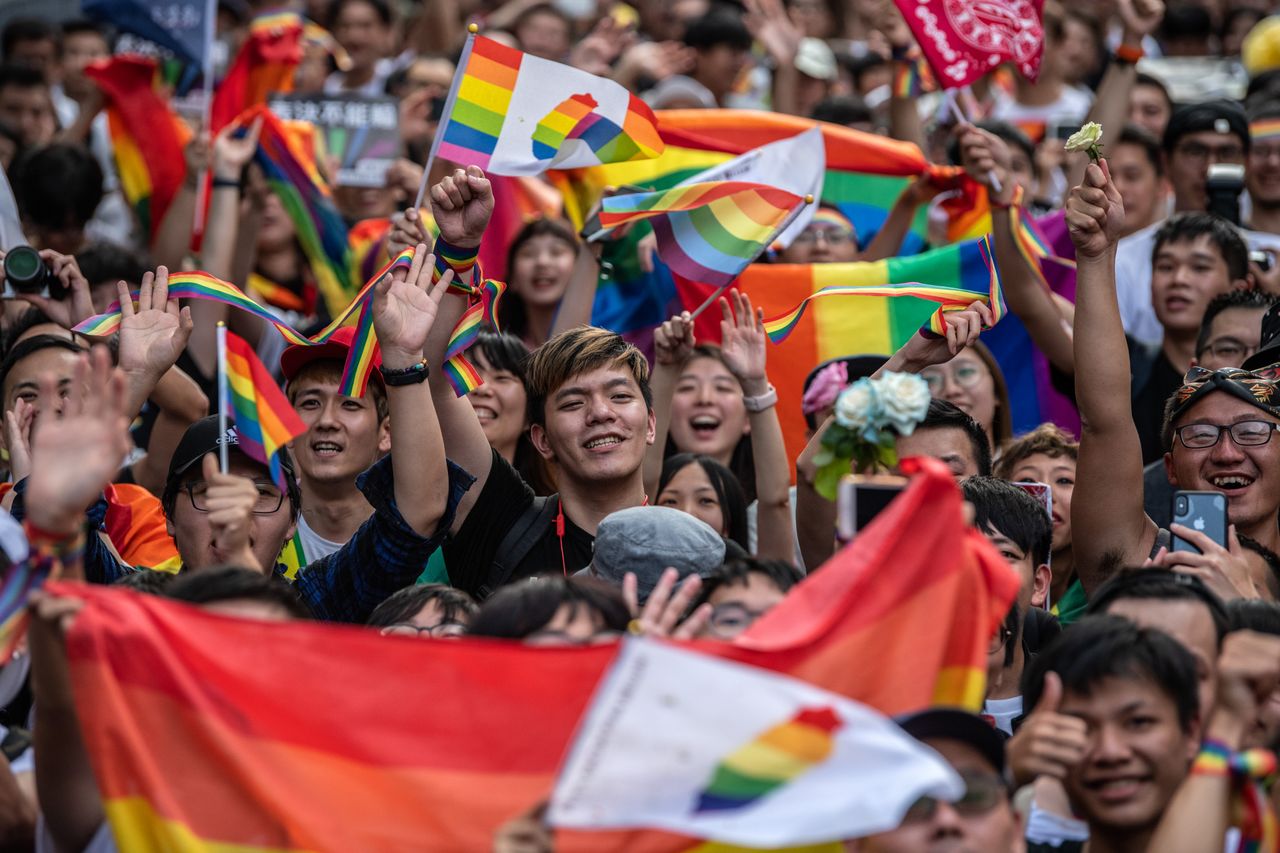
965, 39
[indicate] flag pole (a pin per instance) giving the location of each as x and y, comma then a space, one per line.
223, 402
952, 106
202, 178
447, 113
786, 223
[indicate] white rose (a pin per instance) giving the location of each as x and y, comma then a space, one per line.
904, 399
1085, 138
858, 406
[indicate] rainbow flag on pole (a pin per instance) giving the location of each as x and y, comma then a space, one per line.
265, 421
514, 114
707, 232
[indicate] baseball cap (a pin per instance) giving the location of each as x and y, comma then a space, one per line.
960, 725
298, 356
204, 437
1269, 353
1221, 116
645, 540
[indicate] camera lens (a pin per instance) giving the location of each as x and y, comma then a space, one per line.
25, 270
1181, 509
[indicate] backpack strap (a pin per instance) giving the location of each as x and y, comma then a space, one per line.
519, 541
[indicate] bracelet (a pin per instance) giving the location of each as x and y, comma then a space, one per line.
411, 375
226, 183
758, 404
1129, 54
1217, 759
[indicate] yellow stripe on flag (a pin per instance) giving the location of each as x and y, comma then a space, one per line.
851, 326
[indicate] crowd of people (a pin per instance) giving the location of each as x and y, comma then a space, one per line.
588, 488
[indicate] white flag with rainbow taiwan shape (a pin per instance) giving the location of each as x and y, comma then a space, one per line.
680, 741
514, 114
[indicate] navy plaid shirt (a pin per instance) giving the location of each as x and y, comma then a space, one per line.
384, 555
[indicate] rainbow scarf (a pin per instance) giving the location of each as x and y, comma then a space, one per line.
707, 232
265, 421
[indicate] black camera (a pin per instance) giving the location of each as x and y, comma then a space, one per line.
1223, 185
26, 274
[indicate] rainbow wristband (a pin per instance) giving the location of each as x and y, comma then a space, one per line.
461, 261
1214, 759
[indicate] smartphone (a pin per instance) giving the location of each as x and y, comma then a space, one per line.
1202, 511
1061, 129
861, 498
1042, 493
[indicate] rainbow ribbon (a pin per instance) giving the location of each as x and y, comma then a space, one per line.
948, 299
483, 311
1249, 770
201, 285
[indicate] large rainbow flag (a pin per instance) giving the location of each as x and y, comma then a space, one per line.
147, 137
511, 113
204, 738
265, 421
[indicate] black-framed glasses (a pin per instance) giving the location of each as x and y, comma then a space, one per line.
1243, 433
270, 498
832, 236
730, 620
982, 793
1230, 350
406, 629
1222, 153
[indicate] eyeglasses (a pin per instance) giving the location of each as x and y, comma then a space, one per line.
833, 236
1230, 350
406, 629
1221, 153
1243, 433
269, 499
965, 375
982, 793
730, 620
998, 640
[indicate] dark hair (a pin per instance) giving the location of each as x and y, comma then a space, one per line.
1002, 130
146, 580
381, 7
1161, 585
1271, 558
58, 186
1185, 227
503, 351
1101, 647
26, 29
32, 345
520, 609
25, 322
332, 370
173, 485
859, 66
1231, 299
733, 501
1264, 86
1202, 116
577, 351
842, 110
1184, 20
1000, 506
1132, 134
84, 26
1253, 614
21, 77
1145, 79
721, 25
1048, 439
512, 314
232, 583
944, 415
9, 132
404, 604
103, 262
780, 573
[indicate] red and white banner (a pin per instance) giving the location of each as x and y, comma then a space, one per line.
965, 39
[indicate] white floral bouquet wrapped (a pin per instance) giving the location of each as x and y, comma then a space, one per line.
869, 415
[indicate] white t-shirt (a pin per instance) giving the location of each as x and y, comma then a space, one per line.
1003, 712
1072, 105
314, 546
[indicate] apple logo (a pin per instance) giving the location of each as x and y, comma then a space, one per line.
1198, 524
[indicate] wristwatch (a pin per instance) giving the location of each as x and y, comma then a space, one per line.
762, 402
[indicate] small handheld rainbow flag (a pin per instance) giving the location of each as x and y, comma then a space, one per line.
708, 232
514, 114
265, 421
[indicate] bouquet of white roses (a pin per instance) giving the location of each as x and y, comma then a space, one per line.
869, 415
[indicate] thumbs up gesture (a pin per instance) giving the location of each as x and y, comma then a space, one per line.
1048, 743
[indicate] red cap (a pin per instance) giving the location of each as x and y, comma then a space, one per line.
296, 357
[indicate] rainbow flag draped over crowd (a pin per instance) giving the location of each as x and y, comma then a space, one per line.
147, 137
203, 737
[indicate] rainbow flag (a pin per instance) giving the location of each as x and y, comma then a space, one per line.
193, 750
707, 232
263, 66
265, 420
515, 114
147, 137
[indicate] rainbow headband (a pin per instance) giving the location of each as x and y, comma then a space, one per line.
1265, 130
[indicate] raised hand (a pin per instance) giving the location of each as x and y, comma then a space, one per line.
743, 341
984, 157
1248, 675
231, 153
407, 231
404, 309
673, 340
229, 500
1139, 17
154, 334
768, 22
1223, 570
1095, 212
73, 457
198, 155
1047, 743
17, 430
462, 204
663, 612
963, 329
